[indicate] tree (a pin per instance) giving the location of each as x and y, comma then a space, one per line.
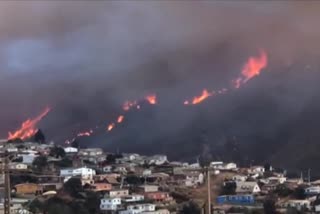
75, 144
283, 191
191, 208
39, 137
40, 163
73, 186
93, 202
229, 188
269, 206
299, 193
57, 152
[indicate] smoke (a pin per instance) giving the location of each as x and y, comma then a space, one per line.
85, 58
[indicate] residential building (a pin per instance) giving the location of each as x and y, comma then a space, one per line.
247, 187
110, 203
116, 193
236, 199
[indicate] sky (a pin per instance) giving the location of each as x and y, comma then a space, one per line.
89, 56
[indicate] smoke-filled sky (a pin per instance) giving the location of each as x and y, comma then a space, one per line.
84, 58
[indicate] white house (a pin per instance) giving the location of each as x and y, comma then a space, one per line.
133, 198
28, 158
110, 204
247, 187
91, 152
193, 179
279, 179
139, 208
83, 172
230, 166
158, 159
117, 193
313, 190
70, 149
107, 168
257, 169
18, 166
241, 178
298, 204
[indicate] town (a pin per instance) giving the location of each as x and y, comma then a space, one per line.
48, 178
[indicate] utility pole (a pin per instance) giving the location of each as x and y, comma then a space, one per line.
309, 171
7, 189
209, 191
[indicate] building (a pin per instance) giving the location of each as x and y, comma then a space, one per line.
157, 196
148, 188
70, 149
27, 188
133, 198
298, 204
110, 204
100, 187
83, 172
139, 208
247, 187
235, 199
18, 166
313, 190
91, 152
118, 193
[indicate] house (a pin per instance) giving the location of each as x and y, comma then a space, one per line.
148, 188
193, 179
256, 170
157, 159
146, 172
235, 199
133, 198
100, 187
313, 190
160, 211
240, 178
28, 188
247, 187
70, 149
18, 166
108, 168
277, 179
230, 166
27, 158
118, 193
216, 164
110, 204
298, 204
138, 208
90, 152
83, 172
157, 196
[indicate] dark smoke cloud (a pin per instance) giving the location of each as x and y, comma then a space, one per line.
85, 58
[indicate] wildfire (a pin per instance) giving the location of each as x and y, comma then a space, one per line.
110, 127
128, 105
87, 133
251, 69
205, 94
120, 119
152, 99
28, 127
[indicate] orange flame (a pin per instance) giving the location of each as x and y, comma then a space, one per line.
152, 99
87, 133
128, 105
251, 69
110, 127
120, 119
27, 128
196, 100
